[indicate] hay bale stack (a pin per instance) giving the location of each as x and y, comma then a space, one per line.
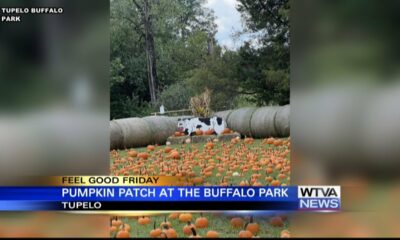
116, 135
252, 122
160, 128
258, 122
262, 122
240, 120
140, 132
135, 131
282, 121
223, 114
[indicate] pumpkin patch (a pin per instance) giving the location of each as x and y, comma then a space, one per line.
206, 225
239, 162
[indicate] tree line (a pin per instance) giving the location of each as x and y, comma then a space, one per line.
165, 52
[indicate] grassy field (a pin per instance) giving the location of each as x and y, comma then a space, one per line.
244, 162
252, 163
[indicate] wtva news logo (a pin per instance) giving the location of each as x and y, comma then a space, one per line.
319, 198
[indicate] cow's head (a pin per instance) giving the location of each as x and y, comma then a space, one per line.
182, 124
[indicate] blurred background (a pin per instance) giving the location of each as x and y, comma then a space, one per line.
54, 113
54, 109
345, 119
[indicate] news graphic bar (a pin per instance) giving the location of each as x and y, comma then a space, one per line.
133, 194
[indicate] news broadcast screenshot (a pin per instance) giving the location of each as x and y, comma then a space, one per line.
199, 118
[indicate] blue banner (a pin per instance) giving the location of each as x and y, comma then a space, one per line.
189, 197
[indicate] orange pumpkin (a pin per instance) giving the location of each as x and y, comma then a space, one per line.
177, 134
209, 132
282, 176
123, 234
170, 232
143, 155
144, 220
132, 153
277, 142
173, 215
253, 227
199, 132
175, 155
198, 180
116, 222
201, 222
237, 222
187, 229
209, 145
212, 234
185, 217
270, 141
226, 131
165, 223
167, 149
245, 234
113, 229
276, 221
275, 183
156, 232
285, 234
150, 148
269, 179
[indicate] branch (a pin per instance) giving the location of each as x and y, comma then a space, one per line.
275, 16
140, 8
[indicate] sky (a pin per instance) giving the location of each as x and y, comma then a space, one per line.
228, 20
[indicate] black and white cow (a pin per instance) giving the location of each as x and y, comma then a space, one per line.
189, 125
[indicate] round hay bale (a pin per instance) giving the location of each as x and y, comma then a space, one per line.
223, 114
282, 121
240, 120
160, 128
263, 122
136, 132
116, 136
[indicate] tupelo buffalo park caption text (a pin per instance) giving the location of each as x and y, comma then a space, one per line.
14, 14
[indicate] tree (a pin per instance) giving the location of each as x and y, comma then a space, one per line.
266, 63
175, 29
144, 9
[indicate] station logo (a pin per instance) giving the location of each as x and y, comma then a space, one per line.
319, 198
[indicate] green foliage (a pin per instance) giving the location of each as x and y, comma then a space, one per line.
265, 69
255, 74
116, 68
176, 96
217, 73
180, 30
